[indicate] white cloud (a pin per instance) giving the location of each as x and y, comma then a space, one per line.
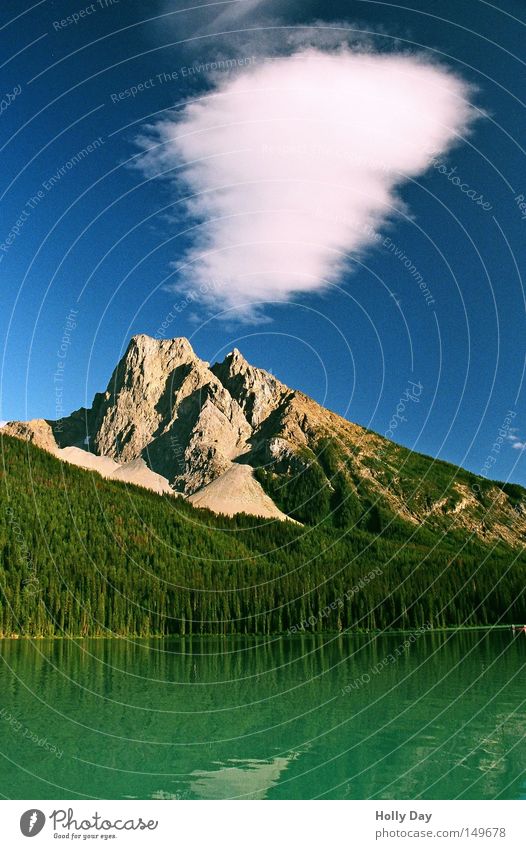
516, 441
293, 161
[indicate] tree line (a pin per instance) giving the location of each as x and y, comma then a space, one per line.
84, 556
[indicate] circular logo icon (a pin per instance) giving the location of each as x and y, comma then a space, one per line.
32, 822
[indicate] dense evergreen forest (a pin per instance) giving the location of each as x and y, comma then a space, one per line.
80, 555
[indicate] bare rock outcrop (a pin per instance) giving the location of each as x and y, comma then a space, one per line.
170, 421
38, 431
257, 392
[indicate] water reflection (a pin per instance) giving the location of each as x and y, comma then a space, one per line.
283, 718
239, 779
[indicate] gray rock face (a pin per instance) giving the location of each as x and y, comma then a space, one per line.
257, 392
186, 420
172, 422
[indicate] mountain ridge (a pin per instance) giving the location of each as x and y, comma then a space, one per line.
192, 423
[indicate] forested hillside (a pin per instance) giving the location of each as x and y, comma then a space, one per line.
81, 555
168, 413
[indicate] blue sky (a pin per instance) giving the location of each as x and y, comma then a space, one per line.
102, 240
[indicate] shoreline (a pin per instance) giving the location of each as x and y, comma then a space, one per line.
279, 635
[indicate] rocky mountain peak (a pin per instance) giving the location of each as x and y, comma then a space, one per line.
221, 432
257, 392
146, 348
236, 361
145, 344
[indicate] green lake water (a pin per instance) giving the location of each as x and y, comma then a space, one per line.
351, 717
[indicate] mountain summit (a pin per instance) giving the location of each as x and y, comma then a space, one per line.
233, 438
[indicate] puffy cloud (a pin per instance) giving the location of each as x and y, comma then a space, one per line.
291, 163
